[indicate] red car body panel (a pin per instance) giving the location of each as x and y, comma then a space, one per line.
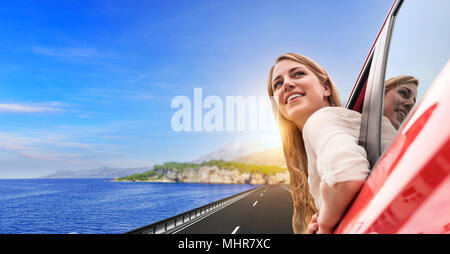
409, 188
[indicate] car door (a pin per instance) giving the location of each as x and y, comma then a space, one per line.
410, 181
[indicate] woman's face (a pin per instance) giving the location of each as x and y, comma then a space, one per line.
398, 102
298, 91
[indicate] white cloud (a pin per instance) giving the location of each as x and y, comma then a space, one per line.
107, 96
44, 108
21, 108
53, 147
65, 51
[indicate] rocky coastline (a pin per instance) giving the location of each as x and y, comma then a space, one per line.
210, 175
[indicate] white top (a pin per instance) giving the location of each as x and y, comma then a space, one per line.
331, 137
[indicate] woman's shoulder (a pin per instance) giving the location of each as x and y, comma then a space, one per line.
339, 116
336, 111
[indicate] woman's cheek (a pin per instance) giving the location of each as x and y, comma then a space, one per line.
283, 111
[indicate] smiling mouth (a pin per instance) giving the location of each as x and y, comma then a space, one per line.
401, 114
294, 96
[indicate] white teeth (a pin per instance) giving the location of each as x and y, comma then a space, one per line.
294, 96
402, 114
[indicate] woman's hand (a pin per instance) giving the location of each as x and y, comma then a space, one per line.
313, 226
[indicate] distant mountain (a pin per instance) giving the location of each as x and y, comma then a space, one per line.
248, 150
272, 157
234, 150
103, 172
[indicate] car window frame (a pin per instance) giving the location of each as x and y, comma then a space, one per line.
367, 96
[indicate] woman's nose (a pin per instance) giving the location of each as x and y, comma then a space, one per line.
288, 85
409, 103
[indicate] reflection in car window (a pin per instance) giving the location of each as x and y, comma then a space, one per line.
400, 96
418, 51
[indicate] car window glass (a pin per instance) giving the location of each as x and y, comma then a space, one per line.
418, 51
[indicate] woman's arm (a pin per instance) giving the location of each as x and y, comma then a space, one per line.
331, 136
335, 201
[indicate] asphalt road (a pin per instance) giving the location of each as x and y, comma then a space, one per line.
267, 210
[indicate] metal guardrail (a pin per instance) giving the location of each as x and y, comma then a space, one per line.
176, 222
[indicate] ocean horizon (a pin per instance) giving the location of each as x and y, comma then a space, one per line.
98, 205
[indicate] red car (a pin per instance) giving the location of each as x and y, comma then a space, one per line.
408, 191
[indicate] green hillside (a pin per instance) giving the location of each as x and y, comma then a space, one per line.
158, 170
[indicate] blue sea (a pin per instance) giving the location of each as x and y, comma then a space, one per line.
98, 206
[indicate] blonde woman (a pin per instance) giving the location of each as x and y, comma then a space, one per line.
400, 97
320, 141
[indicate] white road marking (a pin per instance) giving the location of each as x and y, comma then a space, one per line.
194, 220
255, 202
235, 230
285, 188
261, 195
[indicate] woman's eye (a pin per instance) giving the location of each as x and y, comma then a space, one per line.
277, 84
403, 94
298, 74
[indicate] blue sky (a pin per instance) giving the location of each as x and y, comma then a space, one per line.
85, 84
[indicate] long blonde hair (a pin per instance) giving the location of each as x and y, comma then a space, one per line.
294, 148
